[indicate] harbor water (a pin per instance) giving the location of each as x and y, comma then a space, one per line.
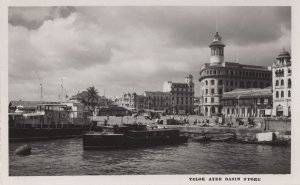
67, 157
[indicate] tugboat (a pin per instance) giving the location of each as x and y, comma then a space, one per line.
131, 135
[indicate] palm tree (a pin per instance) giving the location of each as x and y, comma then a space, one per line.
92, 96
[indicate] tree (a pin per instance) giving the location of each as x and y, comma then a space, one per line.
92, 96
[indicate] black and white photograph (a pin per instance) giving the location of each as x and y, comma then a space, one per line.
119, 91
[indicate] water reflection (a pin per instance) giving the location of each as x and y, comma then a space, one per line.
66, 157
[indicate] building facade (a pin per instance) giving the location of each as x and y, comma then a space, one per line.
254, 102
157, 101
282, 84
181, 95
128, 101
219, 76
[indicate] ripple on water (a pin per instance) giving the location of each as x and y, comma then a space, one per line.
66, 157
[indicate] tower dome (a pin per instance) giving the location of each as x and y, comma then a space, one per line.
284, 57
284, 53
217, 50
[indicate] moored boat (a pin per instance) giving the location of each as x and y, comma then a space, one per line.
128, 136
221, 137
201, 138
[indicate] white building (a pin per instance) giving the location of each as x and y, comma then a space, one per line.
182, 95
282, 83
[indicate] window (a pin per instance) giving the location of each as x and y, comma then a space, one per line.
205, 100
212, 100
289, 94
231, 83
277, 94
212, 91
282, 83
220, 91
277, 83
215, 72
289, 83
206, 91
261, 101
206, 82
282, 94
212, 82
242, 85
220, 82
261, 85
255, 84
248, 84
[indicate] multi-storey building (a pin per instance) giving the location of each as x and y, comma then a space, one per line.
219, 76
128, 101
182, 95
156, 101
254, 102
282, 83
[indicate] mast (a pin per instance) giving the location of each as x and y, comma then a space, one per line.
41, 92
62, 91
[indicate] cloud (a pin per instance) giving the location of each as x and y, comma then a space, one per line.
123, 49
33, 17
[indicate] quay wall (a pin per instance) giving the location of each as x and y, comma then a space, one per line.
199, 130
281, 125
266, 124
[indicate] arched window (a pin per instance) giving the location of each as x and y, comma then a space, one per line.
277, 94
282, 94
213, 110
255, 84
206, 82
289, 94
282, 82
277, 82
289, 83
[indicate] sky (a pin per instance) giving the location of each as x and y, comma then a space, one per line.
132, 49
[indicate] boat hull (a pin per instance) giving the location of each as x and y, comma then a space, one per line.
115, 141
36, 134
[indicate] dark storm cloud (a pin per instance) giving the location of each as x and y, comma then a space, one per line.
135, 48
195, 26
34, 17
